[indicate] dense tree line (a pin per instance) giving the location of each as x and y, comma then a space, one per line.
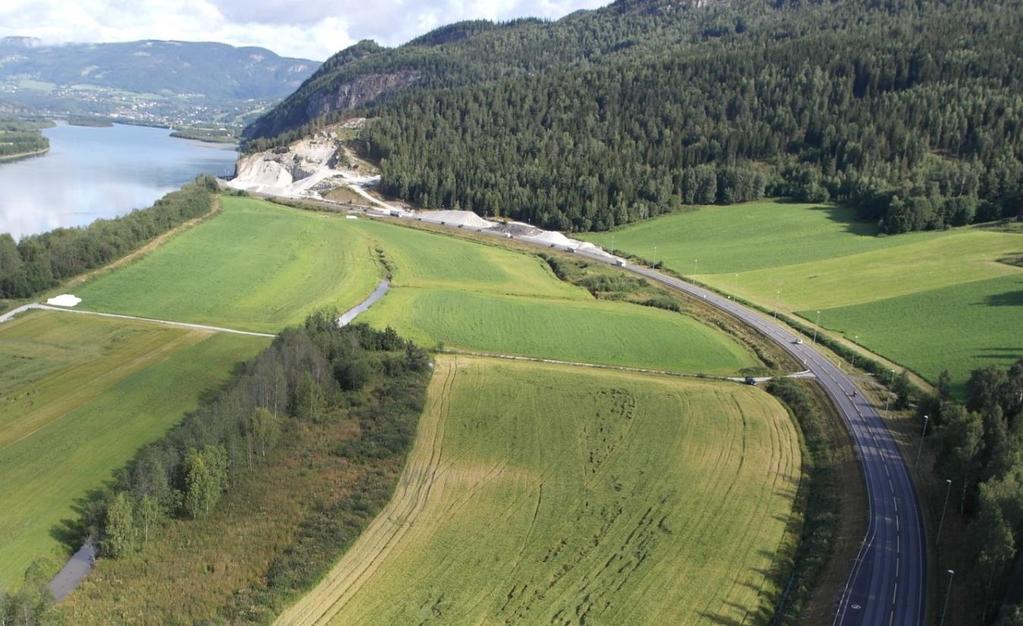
313, 374
310, 374
979, 447
19, 136
39, 262
303, 375
909, 111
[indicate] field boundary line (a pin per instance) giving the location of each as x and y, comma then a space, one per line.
349, 573
620, 368
215, 329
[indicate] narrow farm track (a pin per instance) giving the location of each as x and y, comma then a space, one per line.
216, 329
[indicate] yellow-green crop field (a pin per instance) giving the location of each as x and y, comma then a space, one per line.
541, 493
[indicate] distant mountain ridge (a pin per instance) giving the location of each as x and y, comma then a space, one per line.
216, 71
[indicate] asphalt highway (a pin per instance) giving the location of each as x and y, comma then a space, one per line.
888, 580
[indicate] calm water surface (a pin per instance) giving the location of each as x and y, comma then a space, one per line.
91, 173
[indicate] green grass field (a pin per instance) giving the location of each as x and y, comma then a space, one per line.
967, 326
78, 397
929, 301
545, 494
433, 261
748, 236
586, 331
487, 298
256, 266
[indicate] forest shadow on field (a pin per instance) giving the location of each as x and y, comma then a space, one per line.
1001, 354
73, 532
847, 218
1007, 298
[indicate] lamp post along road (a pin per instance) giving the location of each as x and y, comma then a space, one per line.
941, 522
948, 592
920, 446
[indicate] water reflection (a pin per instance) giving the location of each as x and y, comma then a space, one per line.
91, 173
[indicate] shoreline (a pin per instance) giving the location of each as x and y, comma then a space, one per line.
23, 155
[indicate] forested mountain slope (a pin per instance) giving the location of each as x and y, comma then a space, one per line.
910, 111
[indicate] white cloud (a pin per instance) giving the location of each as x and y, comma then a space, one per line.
304, 28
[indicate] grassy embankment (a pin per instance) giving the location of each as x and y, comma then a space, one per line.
550, 493
79, 396
928, 301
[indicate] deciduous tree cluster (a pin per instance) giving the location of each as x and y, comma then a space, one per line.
980, 449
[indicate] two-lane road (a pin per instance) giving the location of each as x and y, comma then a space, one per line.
887, 582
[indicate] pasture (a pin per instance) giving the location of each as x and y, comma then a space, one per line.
590, 331
78, 397
748, 236
542, 493
488, 298
929, 301
967, 326
256, 266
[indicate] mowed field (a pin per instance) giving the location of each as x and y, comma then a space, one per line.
930, 301
259, 266
486, 298
550, 494
78, 396
256, 266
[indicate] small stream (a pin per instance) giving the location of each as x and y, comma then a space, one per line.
76, 569
349, 316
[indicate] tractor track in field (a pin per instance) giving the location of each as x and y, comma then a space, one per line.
887, 582
415, 487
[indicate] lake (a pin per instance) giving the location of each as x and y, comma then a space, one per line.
91, 173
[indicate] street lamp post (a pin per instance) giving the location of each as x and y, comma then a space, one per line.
948, 592
777, 297
888, 396
941, 522
816, 326
920, 446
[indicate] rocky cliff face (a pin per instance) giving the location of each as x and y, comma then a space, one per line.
357, 92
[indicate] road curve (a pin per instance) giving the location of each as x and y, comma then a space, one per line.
888, 580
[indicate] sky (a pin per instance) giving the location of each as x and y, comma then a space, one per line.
313, 29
